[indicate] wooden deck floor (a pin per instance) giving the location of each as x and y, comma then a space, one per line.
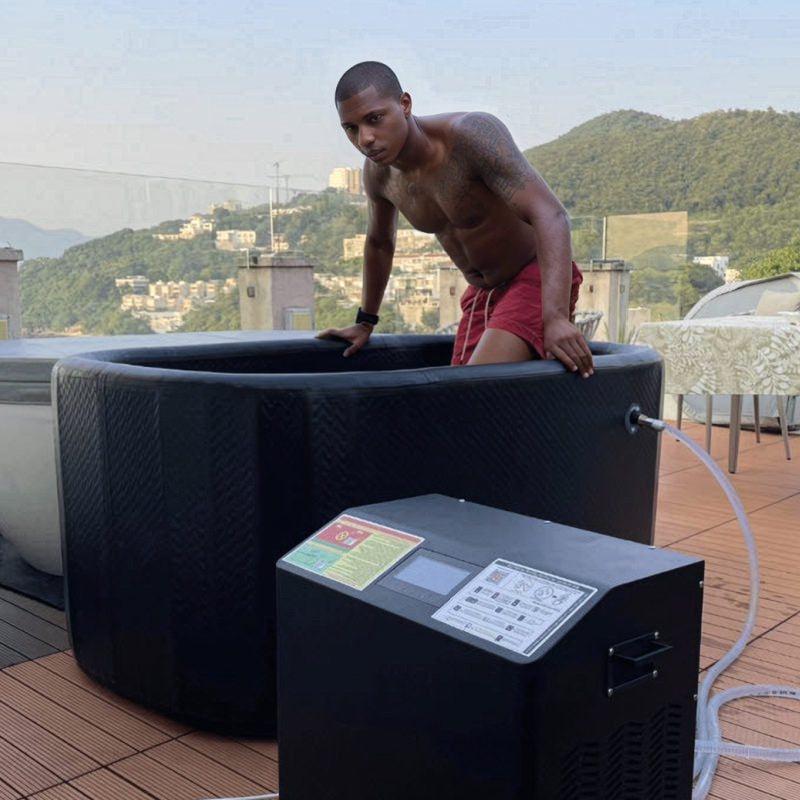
62, 737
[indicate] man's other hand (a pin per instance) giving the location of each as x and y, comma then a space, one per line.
564, 341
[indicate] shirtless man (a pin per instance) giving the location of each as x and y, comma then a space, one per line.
461, 177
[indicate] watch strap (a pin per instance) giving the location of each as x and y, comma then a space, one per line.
363, 316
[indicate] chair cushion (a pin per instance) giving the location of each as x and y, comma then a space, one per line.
772, 302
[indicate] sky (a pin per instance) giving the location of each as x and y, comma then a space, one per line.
224, 91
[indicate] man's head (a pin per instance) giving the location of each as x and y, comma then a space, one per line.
374, 111
366, 74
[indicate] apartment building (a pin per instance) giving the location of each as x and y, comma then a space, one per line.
235, 239
346, 179
408, 241
163, 304
424, 280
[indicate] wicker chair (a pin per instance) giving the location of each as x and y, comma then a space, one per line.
587, 321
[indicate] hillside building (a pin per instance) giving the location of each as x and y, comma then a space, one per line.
235, 240
164, 304
199, 223
407, 241
346, 179
137, 284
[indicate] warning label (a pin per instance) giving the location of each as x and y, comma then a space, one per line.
353, 551
514, 606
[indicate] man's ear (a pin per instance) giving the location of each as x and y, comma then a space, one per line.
405, 102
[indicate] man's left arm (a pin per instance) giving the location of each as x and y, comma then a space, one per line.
507, 172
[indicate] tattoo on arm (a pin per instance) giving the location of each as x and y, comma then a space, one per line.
488, 147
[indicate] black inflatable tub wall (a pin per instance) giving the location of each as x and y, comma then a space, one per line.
186, 472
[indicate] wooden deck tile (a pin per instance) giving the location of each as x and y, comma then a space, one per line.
267, 747
220, 779
699, 484
96, 711
23, 773
723, 787
34, 625
64, 665
61, 757
105, 784
94, 742
19, 641
61, 792
53, 615
237, 755
157, 779
8, 792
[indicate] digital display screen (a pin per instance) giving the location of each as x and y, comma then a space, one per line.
430, 574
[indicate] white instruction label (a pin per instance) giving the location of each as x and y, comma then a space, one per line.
514, 606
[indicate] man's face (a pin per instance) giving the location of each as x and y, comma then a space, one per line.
377, 125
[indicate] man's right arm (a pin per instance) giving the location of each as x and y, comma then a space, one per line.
377, 266
378, 252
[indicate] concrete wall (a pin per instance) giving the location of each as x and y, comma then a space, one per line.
451, 286
10, 311
277, 293
606, 288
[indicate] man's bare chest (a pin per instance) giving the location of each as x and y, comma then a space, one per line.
438, 203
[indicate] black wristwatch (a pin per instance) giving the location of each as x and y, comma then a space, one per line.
362, 316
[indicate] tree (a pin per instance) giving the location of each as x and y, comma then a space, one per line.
649, 285
117, 323
333, 310
392, 320
221, 315
703, 278
776, 262
430, 319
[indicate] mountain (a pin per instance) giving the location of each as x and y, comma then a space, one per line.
615, 122
626, 162
737, 174
37, 242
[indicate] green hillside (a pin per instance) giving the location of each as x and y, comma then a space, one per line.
613, 122
737, 174
78, 288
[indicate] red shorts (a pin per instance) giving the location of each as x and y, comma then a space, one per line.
514, 306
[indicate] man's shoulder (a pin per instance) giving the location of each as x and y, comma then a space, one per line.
476, 122
462, 125
442, 124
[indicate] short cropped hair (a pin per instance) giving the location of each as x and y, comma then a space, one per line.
366, 74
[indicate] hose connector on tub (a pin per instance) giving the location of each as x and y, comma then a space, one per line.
634, 418
655, 424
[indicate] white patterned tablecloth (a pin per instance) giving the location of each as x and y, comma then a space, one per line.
727, 355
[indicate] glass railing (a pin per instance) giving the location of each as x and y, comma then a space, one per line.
107, 253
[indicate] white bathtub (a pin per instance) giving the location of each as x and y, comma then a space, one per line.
29, 509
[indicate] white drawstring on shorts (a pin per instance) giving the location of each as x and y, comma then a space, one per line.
471, 314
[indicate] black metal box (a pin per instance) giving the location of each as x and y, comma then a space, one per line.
433, 648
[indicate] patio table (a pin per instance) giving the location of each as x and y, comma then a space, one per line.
737, 355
